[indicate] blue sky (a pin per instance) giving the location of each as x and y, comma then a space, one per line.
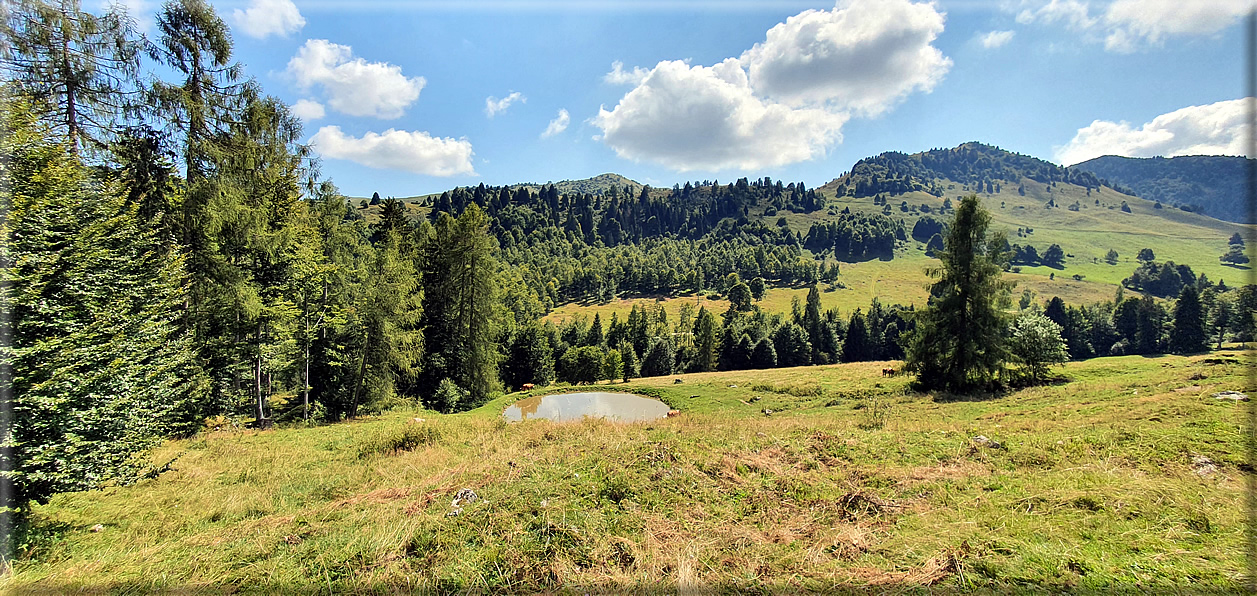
719, 90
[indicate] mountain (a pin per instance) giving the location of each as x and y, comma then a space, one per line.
975, 164
594, 186
1210, 184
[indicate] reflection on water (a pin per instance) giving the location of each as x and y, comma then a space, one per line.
624, 407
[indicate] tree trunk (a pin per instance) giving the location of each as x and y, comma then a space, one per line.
259, 399
362, 370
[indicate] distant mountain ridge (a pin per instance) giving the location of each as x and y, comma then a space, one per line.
971, 163
1209, 184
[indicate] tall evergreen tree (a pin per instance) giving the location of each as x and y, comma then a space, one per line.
83, 67
706, 350
100, 371
855, 347
1188, 334
959, 343
463, 314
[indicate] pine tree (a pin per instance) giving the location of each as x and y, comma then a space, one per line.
463, 314
706, 350
392, 341
1188, 334
855, 347
958, 343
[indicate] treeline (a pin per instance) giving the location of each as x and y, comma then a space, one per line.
648, 344
1211, 184
596, 246
983, 167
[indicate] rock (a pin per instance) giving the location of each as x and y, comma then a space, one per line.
454, 513
733, 386
754, 399
767, 412
761, 435
984, 441
1203, 465
464, 495
693, 396
674, 413
98, 528
416, 421
545, 502
1231, 395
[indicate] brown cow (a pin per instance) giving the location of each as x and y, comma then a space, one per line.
526, 387
888, 372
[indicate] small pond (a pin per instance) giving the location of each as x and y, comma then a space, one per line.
623, 407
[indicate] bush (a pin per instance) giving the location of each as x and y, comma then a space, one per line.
407, 437
448, 395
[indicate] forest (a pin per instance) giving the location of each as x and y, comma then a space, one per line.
173, 257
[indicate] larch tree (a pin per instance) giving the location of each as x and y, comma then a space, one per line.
82, 67
959, 343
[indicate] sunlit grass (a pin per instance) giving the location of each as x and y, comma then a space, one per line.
1093, 487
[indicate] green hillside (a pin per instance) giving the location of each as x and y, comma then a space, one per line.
1035, 202
1210, 184
1024, 193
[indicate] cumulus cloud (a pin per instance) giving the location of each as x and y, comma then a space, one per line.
1128, 25
417, 151
995, 39
493, 105
1213, 129
707, 118
264, 18
785, 99
307, 110
352, 85
862, 55
619, 76
558, 125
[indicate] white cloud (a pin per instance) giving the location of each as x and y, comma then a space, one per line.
1073, 13
707, 118
417, 151
619, 76
352, 85
558, 125
1213, 129
783, 101
995, 39
268, 17
1128, 25
493, 105
307, 110
863, 55
1132, 21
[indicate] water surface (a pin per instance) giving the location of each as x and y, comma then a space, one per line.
623, 407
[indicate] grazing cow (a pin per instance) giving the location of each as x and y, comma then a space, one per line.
673, 413
526, 387
888, 372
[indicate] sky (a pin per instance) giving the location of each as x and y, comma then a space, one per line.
413, 97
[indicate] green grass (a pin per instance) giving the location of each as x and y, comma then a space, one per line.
854, 481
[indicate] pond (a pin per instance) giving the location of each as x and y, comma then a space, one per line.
622, 407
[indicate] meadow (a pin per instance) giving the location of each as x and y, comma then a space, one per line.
1125, 474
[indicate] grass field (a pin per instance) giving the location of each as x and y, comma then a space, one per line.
1124, 476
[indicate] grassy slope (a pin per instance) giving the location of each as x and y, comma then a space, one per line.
854, 481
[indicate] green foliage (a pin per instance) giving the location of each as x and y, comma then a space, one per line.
1188, 334
1162, 280
612, 365
583, 364
958, 343
101, 370
1234, 255
1035, 343
530, 359
659, 360
448, 396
